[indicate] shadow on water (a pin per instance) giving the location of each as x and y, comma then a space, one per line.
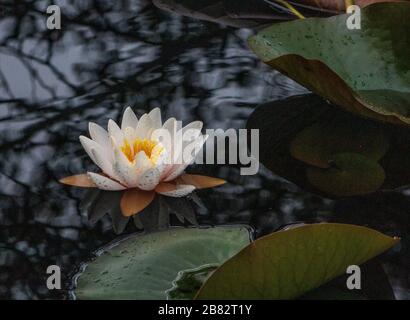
109, 55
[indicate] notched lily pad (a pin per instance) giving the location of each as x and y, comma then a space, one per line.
290, 263
148, 266
365, 71
300, 137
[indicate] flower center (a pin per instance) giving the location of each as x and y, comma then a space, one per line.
130, 150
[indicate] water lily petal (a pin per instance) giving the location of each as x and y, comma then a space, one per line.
188, 134
199, 142
174, 190
142, 162
155, 116
200, 181
159, 156
115, 132
129, 119
179, 168
144, 129
129, 135
102, 162
172, 125
100, 135
105, 183
124, 169
79, 180
134, 201
195, 126
88, 145
149, 179
175, 171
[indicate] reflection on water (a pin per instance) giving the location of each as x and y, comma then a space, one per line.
108, 56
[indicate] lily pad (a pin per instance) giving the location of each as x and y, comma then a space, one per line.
295, 135
316, 144
148, 266
290, 263
365, 71
350, 175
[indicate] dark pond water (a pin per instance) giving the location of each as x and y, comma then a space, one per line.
106, 57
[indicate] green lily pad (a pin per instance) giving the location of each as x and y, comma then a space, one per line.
149, 266
365, 71
289, 152
290, 263
316, 144
351, 174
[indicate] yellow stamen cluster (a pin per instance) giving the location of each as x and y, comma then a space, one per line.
130, 150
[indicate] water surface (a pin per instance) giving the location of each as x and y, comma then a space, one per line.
108, 56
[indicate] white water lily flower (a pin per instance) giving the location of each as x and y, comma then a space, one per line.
143, 157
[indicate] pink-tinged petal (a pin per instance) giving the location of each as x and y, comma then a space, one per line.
134, 201
168, 170
129, 119
174, 190
105, 183
176, 171
124, 169
200, 181
79, 180
115, 132
149, 179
